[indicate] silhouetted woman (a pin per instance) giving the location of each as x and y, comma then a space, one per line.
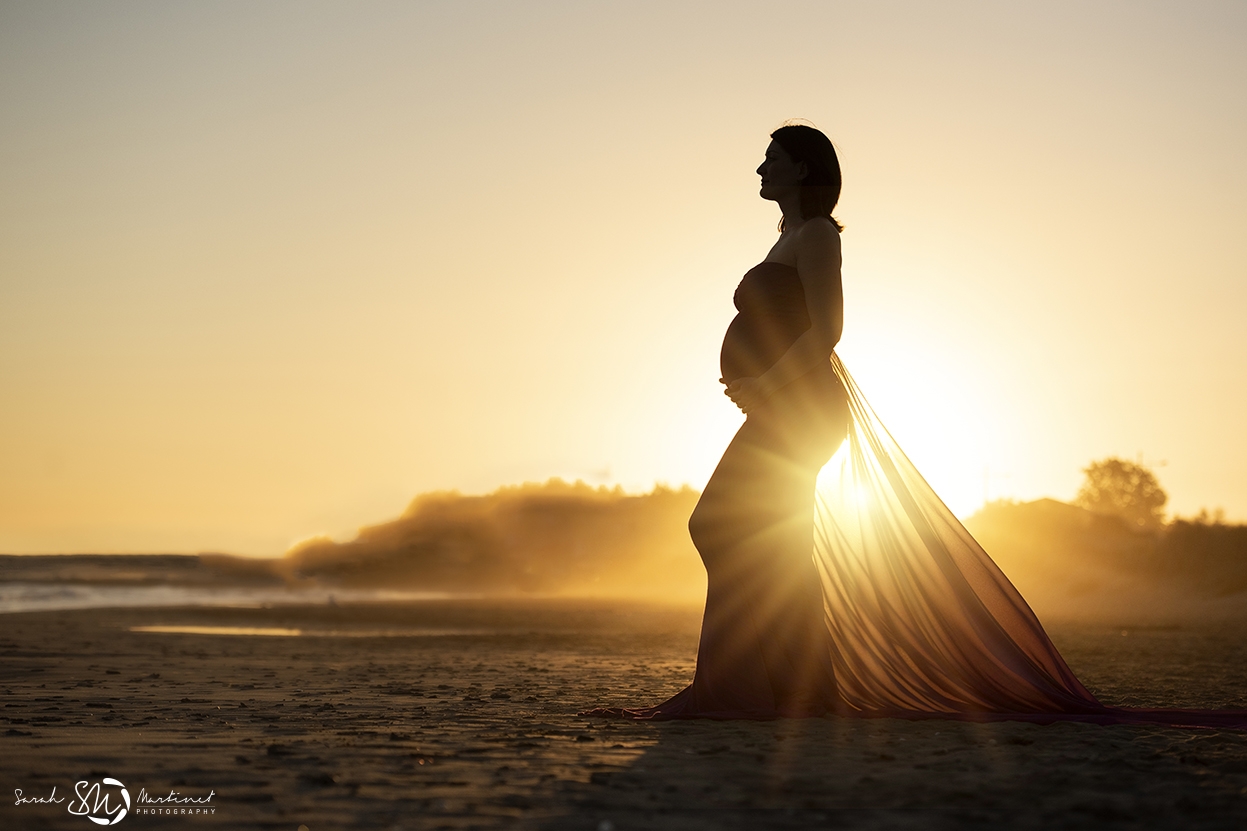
867, 598
765, 649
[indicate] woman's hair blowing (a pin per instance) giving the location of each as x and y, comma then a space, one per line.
820, 189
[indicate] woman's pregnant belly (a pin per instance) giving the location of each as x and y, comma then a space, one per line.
754, 343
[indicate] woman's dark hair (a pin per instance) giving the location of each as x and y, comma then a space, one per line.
820, 189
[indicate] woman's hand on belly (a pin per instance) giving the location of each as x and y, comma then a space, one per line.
746, 393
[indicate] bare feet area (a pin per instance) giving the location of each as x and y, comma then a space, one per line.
463, 714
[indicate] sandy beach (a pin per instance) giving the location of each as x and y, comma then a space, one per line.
462, 714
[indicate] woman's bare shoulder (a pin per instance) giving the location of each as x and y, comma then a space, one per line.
819, 229
817, 236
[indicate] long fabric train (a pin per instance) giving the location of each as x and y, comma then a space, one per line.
923, 623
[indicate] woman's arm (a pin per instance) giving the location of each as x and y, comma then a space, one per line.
818, 265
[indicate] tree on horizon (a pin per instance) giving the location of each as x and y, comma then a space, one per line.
1125, 489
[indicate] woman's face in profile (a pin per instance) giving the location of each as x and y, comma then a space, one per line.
780, 174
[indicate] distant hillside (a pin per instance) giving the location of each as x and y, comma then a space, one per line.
1068, 561
559, 538
554, 538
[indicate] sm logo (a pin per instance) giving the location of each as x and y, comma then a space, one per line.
104, 803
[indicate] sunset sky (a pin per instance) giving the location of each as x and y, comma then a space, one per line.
270, 269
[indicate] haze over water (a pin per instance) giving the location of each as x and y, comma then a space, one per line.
268, 271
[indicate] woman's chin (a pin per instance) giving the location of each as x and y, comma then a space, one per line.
775, 193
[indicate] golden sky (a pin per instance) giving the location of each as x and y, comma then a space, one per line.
271, 269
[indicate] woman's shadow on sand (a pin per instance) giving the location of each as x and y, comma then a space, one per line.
891, 773
799, 773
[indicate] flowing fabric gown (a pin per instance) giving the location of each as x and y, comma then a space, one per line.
854, 591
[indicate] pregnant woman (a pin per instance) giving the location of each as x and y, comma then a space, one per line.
764, 648
855, 592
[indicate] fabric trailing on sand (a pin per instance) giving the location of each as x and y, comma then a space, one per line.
921, 619
922, 622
